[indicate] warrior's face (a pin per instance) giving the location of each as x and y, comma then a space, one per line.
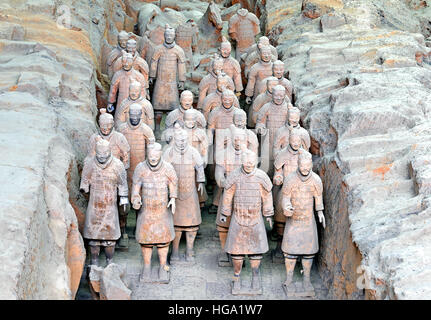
295, 141
222, 83
238, 141
186, 101
278, 95
227, 100
122, 40
225, 49
270, 84
239, 120
127, 64
154, 155
131, 47
135, 117
293, 118
106, 128
181, 141
134, 92
218, 66
265, 54
278, 71
169, 36
305, 166
249, 161
103, 153
189, 120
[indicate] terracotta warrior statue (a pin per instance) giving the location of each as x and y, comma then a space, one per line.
149, 42
117, 52
261, 100
252, 56
301, 195
208, 83
243, 28
230, 65
271, 116
139, 64
186, 36
155, 188
285, 163
122, 112
105, 178
258, 72
197, 138
227, 160
120, 149
239, 123
247, 192
189, 166
177, 115
281, 138
168, 70
278, 72
121, 80
214, 99
139, 136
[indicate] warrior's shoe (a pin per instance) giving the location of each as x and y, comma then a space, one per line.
164, 274
146, 274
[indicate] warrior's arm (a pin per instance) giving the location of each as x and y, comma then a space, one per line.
238, 80
267, 204
181, 66
204, 148
279, 141
253, 143
318, 194
115, 84
219, 175
136, 187
202, 122
125, 151
306, 141
249, 90
153, 64
150, 114
86, 176
286, 203
173, 182
228, 195
123, 189
203, 89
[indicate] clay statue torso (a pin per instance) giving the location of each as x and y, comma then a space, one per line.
121, 112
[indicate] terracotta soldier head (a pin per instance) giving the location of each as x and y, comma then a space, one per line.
305, 163
271, 82
263, 41
293, 117
135, 113
239, 139
106, 122
131, 46
222, 81
190, 118
225, 48
103, 151
169, 35
186, 99
180, 138
295, 140
127, 61
240, 118
227, 98
248, 160
135, 88
122, 38
154, 154
265, 53
216, 65
278, 94
278, 69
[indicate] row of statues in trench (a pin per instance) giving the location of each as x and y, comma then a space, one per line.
211, 147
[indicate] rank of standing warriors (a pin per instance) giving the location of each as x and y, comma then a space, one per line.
255, 162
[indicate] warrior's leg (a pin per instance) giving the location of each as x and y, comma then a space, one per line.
255, 263
175, 256
147, 250
279, 230
307, 261
124, 240
237, 261
190, 240
222, 232
109, 253
290, 262
163, 269
158, 117
94, 252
